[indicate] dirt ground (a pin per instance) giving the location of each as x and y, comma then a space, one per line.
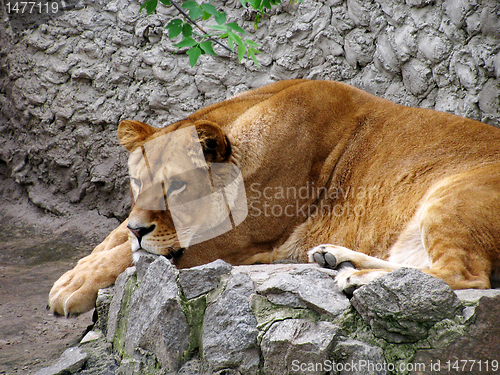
30, 336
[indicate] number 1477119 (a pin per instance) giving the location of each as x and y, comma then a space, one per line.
30, 7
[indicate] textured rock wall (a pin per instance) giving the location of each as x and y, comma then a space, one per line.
290, 319
67, 81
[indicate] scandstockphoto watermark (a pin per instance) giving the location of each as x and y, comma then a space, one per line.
23, 15
354, 367
368, 366
289, 201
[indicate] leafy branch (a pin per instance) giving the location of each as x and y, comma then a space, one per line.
198, 41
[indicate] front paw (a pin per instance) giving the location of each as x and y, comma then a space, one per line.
76, 291
336, 258
330, 256
347, 281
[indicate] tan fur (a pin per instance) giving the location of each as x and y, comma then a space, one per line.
386, 185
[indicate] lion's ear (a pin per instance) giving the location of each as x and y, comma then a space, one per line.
216, 146
131, 133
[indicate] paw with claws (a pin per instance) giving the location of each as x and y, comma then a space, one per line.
76, 291
333, 257
345, 262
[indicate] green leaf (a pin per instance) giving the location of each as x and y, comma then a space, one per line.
190, 5
207, 47
221, 18
266, 4
234, 26
251, 53
174, 28
186, 42
230, 40
194, 8
255, 4
218, 27
242, 49
205, 16
236, 38
195, 13
251, 43
166, 2
150, 6
194, 54
256, 22
187, 30
233, 39
210, 9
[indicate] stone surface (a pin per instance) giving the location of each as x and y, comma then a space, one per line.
229, 338
122, 288
369, 360
473, 295
72, 360
103, 303
202, 279
417, 77
248, 324
267, 313
155, 321
101, 359
396, 313
477, 347
359, 48
310, 289
194, 366
296, 341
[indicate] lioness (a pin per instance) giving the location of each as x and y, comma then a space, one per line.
332, 174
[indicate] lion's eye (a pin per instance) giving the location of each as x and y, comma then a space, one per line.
176, 186
136, 185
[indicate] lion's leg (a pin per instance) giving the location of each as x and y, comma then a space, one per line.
76, 291
332, 256
455, 236
355, 268
407, 252
460, 226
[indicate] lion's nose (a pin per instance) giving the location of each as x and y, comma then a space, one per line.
140, 232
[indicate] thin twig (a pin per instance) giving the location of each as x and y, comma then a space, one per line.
186, 16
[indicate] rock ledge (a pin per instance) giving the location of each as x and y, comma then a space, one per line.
286, 319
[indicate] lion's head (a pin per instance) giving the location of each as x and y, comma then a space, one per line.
184, 188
